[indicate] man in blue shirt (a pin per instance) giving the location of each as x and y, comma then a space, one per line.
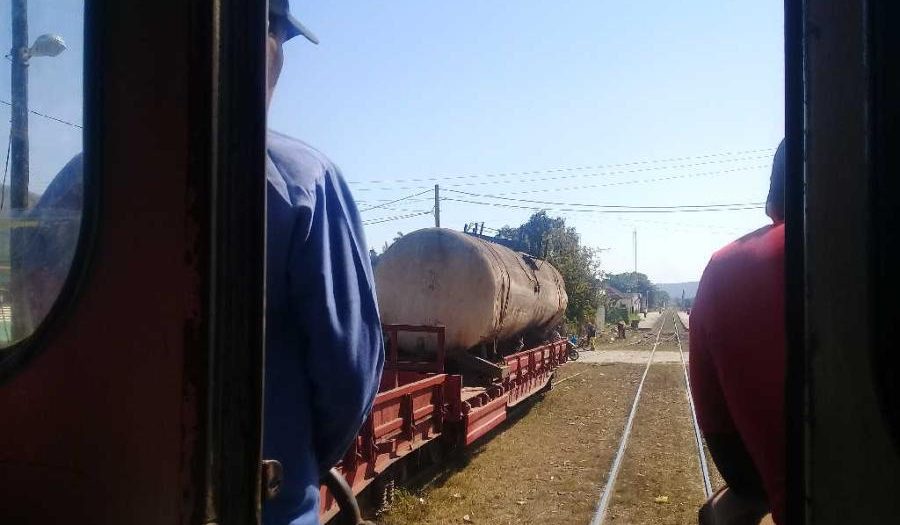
324, 349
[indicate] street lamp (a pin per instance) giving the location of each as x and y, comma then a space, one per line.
48, 45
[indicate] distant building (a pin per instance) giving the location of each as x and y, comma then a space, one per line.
631, 301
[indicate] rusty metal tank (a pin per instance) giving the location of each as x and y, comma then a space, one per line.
480, 291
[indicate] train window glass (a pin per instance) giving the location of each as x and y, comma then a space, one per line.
41, 194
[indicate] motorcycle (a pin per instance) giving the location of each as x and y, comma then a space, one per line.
573, 348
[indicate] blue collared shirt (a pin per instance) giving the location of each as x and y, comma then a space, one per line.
324, 350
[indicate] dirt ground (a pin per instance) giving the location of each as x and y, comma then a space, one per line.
550, 464
660, 480
546, 467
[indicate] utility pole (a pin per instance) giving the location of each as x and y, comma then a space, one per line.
18, 147
437, 206
18, 153
634, 243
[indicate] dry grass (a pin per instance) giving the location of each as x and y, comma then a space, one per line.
550, 465
547, 467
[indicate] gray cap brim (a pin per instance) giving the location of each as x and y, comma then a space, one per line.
296, 28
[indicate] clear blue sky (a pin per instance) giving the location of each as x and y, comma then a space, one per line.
410, 89
432, 90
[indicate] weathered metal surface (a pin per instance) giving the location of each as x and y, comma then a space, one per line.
480, 291
403, 419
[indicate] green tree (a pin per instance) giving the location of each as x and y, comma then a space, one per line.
550, 239
636, 282
630, 282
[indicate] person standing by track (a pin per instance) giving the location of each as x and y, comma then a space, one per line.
737, 368
589, 332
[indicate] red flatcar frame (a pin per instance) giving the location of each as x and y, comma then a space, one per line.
419, 404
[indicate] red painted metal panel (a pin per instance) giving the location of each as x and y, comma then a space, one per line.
534, 369
388, 427
416, 406
402, 420
479, 421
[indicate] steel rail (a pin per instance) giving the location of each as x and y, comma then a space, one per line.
606, 495
701, 450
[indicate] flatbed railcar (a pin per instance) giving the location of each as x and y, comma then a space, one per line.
419, 404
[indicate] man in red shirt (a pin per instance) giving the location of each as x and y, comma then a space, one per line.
737, 364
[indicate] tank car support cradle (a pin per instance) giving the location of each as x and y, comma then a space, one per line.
474, 367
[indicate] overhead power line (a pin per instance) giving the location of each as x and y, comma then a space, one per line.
395, 200
575, 168
635, 181
387, 201
564, 177
610, 206
396, 218
401, 210
606, 184
48, 117
667, 224
592, 210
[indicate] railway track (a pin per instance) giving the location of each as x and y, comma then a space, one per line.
701, 448
609, 488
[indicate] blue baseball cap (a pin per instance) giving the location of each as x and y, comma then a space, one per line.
282, 9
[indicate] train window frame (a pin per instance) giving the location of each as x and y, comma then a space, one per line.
841, 121
221, 95
884, 132
18, 355
795, 85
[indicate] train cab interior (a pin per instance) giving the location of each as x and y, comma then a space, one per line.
132, 392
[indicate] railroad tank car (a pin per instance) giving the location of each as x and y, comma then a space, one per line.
483, 293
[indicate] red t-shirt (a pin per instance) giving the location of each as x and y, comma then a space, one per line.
737, 353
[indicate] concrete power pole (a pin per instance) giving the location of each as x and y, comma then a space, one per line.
19, 94
18, 153
634, 243
437, 206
